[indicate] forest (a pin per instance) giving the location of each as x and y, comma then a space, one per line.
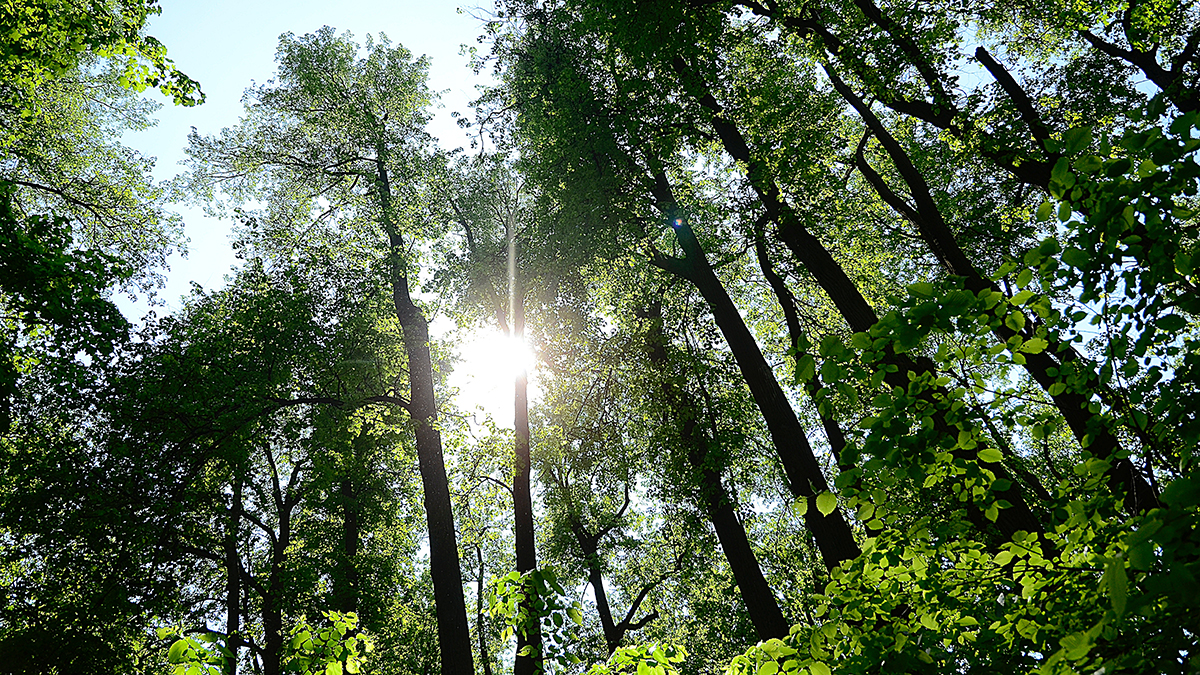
867, 340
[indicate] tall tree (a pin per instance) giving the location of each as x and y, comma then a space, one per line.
338, 142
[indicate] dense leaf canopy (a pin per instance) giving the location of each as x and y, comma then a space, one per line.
866, 342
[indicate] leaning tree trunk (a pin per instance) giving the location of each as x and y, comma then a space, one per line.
826, 271
804, 475
757, 595
1123, 477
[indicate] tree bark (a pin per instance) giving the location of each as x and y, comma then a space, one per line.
760, 601
853, 307
1123, 477
454, 634
346, 584
272, 607
480, 616
805, 477
522, 499
233, 575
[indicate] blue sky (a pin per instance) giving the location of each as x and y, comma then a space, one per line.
226, 45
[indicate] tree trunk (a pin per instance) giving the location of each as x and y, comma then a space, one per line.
272, 609
480, 616
805, 478
345, 590
454, 633
853, 307
760, 601
233, 575
1123, 477
522, 499
591, 559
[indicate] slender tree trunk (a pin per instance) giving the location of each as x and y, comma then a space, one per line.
805, 477
233, 576
272, 608
346, 584
454, 633
480, 616
760, 601
1124, 479
833, 430
522, 499
591, 559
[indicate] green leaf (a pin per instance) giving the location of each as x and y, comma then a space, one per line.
1075, 140
1117, 583
1182, 492
1044, 212
806, 367
1075, 258
800, 507
1077, 645
819, 668
1034, 345
1060, 170
1016, 321
1171, 322
573, 612
175, 653
921, 289
768, 668
990, 455
334, 668
826, 503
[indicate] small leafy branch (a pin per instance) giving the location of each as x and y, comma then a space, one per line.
536, 601
331, 650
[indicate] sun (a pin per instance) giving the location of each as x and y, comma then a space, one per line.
490, 361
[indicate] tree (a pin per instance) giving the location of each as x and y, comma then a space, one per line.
493, 207
337, 141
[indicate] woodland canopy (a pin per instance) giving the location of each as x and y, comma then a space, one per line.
867, 340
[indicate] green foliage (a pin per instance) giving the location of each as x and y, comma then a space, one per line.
333, 648
533, 601
1129, 211
45, 38
647, 659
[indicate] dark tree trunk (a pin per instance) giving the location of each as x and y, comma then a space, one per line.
522, 499
480, 616
787, 303
345, 591
614, 632
591, 559
454, 636
454, 633
853, 307
760, 601
272, 592
233, 576
924, 213
804, 474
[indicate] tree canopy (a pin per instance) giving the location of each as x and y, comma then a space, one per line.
866, 342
